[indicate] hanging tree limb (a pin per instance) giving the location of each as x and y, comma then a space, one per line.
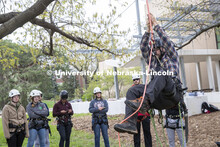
199, 33
41, 22
19, 20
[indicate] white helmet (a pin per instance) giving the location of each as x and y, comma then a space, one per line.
135, 76
40, 92
96, 90
14, 92
34, 93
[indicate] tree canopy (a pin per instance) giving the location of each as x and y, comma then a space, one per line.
66, 24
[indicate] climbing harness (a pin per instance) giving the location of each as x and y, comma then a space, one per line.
99, 119
151, 44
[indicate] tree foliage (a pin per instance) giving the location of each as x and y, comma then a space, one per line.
71, 84
105, 81
66, 24
22, 73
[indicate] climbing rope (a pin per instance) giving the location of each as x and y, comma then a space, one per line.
161, 118
181, 125
151, 114
155, 129
151, 44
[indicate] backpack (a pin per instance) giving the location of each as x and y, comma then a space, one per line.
213, 108
218, 144
208, 108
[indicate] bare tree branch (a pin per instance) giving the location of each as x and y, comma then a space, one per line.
22, 18
96, 69
54, 28
199, 33
46, 25
3, 8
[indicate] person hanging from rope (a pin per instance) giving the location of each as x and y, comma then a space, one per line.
174, 122
14, 120
143, 119
37, 141
99, 107
163, 91
63, 111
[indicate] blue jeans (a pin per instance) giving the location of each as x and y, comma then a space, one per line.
33, 135
65, 132
104, 129
37, 141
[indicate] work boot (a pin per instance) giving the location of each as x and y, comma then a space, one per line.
126, 127
134, 105
129, 126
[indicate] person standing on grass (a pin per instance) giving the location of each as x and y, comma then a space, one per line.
37, 113
174, 123
63, 111
143, 119
99, 107
37, 141
14, 120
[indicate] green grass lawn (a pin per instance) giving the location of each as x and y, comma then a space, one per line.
78, 138
50, 103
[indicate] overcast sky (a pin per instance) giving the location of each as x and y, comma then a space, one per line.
127, 20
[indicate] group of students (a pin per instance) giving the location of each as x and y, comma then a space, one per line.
16, 126
36, 128
163, 92
174, 122
15, 123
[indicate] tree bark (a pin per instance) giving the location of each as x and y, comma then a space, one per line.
7, 16
22, 18
40, 22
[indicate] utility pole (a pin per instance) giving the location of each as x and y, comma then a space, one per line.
143, 65
181, 60
115, 75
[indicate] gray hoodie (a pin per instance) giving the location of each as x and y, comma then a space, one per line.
36, 111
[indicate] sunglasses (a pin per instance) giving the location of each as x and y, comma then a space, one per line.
136, 79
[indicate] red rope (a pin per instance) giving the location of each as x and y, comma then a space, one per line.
145, 88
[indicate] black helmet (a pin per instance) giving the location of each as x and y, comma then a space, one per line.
157, 43
64, 94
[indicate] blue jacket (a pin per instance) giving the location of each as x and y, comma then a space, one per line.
94, 107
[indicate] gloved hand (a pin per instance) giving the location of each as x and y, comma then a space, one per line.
153, 22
